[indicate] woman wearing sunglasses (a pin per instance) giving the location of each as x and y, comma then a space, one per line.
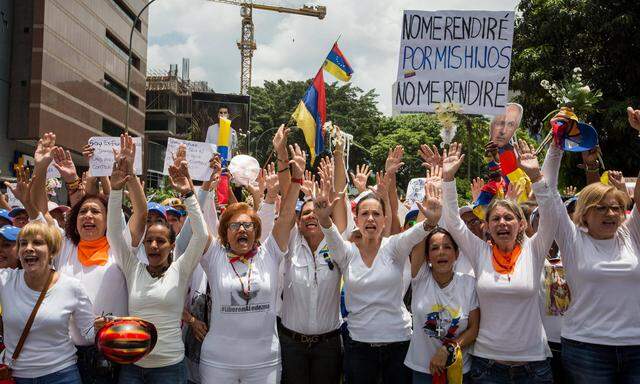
600, 253
242, 345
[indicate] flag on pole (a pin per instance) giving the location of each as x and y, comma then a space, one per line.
311, 114
338, 65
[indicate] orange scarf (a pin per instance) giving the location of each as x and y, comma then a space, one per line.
503, 262
93, 252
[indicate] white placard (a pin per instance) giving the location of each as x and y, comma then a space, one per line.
415, 190
12, 200
198, 156
101, 164
460, 57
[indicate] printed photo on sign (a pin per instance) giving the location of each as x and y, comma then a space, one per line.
415, 190
243, 299
460, 57
505, 125
557, 294
198, 156
101, 164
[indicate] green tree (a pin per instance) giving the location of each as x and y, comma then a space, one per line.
603, 39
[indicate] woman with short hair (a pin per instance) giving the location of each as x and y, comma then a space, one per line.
48, 355
511, 346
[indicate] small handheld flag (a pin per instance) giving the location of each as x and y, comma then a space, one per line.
337, 65
224, 140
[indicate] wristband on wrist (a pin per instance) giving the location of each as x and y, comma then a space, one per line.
283, 169
296, 180
74, 184
187, 195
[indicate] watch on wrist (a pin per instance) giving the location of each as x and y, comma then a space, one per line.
187, 195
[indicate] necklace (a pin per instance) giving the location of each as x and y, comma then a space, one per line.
446, 283
246, 292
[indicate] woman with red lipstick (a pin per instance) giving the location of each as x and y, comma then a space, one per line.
242, 345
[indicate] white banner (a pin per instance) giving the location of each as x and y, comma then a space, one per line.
198, 156
101, 164
415, 190
460, 57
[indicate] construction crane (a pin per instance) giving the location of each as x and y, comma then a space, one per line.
247, 44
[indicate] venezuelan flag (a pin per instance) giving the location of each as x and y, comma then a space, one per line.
224, 140
337, 65
311, 114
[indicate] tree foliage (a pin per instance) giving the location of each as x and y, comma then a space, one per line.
603, 39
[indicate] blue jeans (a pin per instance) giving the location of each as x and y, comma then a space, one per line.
366, 363
318, 363
425, 378
69, 375
600, 364
172, 374
485, 371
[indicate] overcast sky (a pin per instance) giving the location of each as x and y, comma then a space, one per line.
290, 47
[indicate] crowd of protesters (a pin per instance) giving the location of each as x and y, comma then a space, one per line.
302, 283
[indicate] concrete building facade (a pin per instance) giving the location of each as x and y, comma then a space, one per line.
68, 71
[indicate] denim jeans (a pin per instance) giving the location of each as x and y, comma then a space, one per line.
94, 367
485, 371
69, 375
172, 374
600, 364
557, 368
317, 363
366, 363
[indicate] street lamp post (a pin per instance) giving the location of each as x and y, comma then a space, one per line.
126, 120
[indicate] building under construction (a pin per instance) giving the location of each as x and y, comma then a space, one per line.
168, 113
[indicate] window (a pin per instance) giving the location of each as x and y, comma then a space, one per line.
111, 128
122, 49
127, 12
111, 84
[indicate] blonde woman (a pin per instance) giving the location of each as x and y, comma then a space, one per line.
48, 355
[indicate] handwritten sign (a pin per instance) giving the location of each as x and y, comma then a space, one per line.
460, 57
415, 190
101, 164
198, 156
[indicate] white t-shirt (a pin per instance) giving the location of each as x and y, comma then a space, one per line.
48, 347
604, 278
243, 333
105, 285
510, 326
158, 300
435, 308
373, 295
554, 299
311, 298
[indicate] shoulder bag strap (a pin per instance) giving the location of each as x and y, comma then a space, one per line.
32, 317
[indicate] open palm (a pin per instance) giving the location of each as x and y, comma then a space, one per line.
451, 162
528, 161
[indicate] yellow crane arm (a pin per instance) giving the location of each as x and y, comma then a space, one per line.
318, 11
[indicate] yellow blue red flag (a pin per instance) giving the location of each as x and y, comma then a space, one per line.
337, 65
311, 114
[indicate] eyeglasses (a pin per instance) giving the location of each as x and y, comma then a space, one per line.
603, 209
248, 226
474, 221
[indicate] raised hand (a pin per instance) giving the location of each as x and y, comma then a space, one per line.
308, 183
323, 203
430, 155
434, 176
216, 167
271, 181
180, 179
280, 139
514, 190
394, 160
590, 159
431, 206
339, 142
382, 186
120, 173
298, 161
451, 162
22, 186
570, 191
360, 178
528, 161
180, 155
127, 152
43, 154
476, 188
634, 118
64, 164
491, 151
326, 168
617, 180
88, 151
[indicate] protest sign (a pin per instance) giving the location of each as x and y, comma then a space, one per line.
101, 164
198, 156
415, 190
12, 200
52, 172
460, 57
